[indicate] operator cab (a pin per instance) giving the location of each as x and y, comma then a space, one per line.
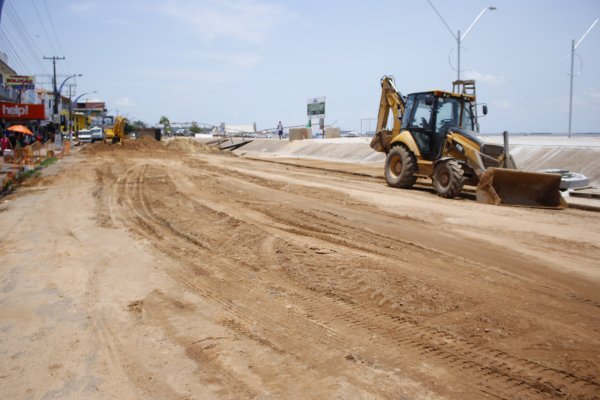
429, 115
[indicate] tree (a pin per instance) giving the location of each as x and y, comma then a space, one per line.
164, 120
134, 126
139, 124
195, 128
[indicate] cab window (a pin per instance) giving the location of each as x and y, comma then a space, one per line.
421, 116
467, 120
448, 114
410, 102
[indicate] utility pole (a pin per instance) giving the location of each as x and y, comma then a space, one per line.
459, 38
573, 48
55, 108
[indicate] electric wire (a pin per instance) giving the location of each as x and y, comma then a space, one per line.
44, 27
11, 51
27, 47
56, 35
53, 28
7, 44
26, 37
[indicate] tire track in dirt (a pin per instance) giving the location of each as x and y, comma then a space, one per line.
311, 225
229, 294
374, 241
559, 375
450, 354
328, 310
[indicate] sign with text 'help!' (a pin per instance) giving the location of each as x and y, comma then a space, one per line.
315, 107
22, 111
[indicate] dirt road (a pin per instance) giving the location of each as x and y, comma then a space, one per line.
150, 272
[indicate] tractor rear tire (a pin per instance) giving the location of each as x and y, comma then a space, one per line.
448, 178
400, 168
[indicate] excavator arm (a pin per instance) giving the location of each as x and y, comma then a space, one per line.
391, 100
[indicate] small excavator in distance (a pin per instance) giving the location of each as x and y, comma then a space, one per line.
116, 133
435, 135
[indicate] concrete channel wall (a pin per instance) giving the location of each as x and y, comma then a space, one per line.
531, 153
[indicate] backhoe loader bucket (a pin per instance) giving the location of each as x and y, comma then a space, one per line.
502, 186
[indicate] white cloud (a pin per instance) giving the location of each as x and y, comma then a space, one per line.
245, 20
83, 6
484, 78
124, 102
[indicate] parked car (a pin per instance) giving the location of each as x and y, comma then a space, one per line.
85, 135
97, 134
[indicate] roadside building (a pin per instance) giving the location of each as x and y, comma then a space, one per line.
7, 92
93, 111
19, 103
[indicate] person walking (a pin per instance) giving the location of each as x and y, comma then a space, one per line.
280, 130
4, 143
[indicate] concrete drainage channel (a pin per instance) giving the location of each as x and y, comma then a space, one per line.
578, 163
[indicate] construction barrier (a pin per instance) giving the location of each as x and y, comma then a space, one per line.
21, 159
331, 133
300, 133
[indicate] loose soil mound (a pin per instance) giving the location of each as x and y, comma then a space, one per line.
143, 144
190, 146
146, 272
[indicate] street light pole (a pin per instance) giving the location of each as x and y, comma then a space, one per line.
571, 85
57, 94
65, 81
54, 59
77, 98
573, 47
459, 38
83, 94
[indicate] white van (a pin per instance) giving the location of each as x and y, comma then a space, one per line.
97, 134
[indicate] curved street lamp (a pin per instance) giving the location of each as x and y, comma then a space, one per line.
458, 36
83, 94
75, 102
66, 79
573, 47
57, 92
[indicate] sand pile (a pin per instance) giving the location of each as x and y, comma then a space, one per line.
142, 144
190, 146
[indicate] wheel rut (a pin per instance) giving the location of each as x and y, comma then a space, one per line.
248, 287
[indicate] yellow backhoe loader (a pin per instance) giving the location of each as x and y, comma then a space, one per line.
115, 133
435, 135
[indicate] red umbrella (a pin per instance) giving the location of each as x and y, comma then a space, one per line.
20, 128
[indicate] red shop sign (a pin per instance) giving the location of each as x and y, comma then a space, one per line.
22, 111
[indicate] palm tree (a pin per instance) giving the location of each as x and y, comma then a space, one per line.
164, 120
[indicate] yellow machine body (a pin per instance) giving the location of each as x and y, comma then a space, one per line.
451, 152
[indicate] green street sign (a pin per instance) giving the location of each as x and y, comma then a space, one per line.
315, 107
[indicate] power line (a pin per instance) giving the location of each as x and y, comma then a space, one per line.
33, 46
55, 35
7, 43
43, 27
28, 43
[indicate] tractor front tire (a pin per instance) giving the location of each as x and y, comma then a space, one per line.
448, 178
400, 168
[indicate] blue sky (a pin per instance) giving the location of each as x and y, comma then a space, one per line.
244, 61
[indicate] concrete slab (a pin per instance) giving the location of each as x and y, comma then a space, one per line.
532, 153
